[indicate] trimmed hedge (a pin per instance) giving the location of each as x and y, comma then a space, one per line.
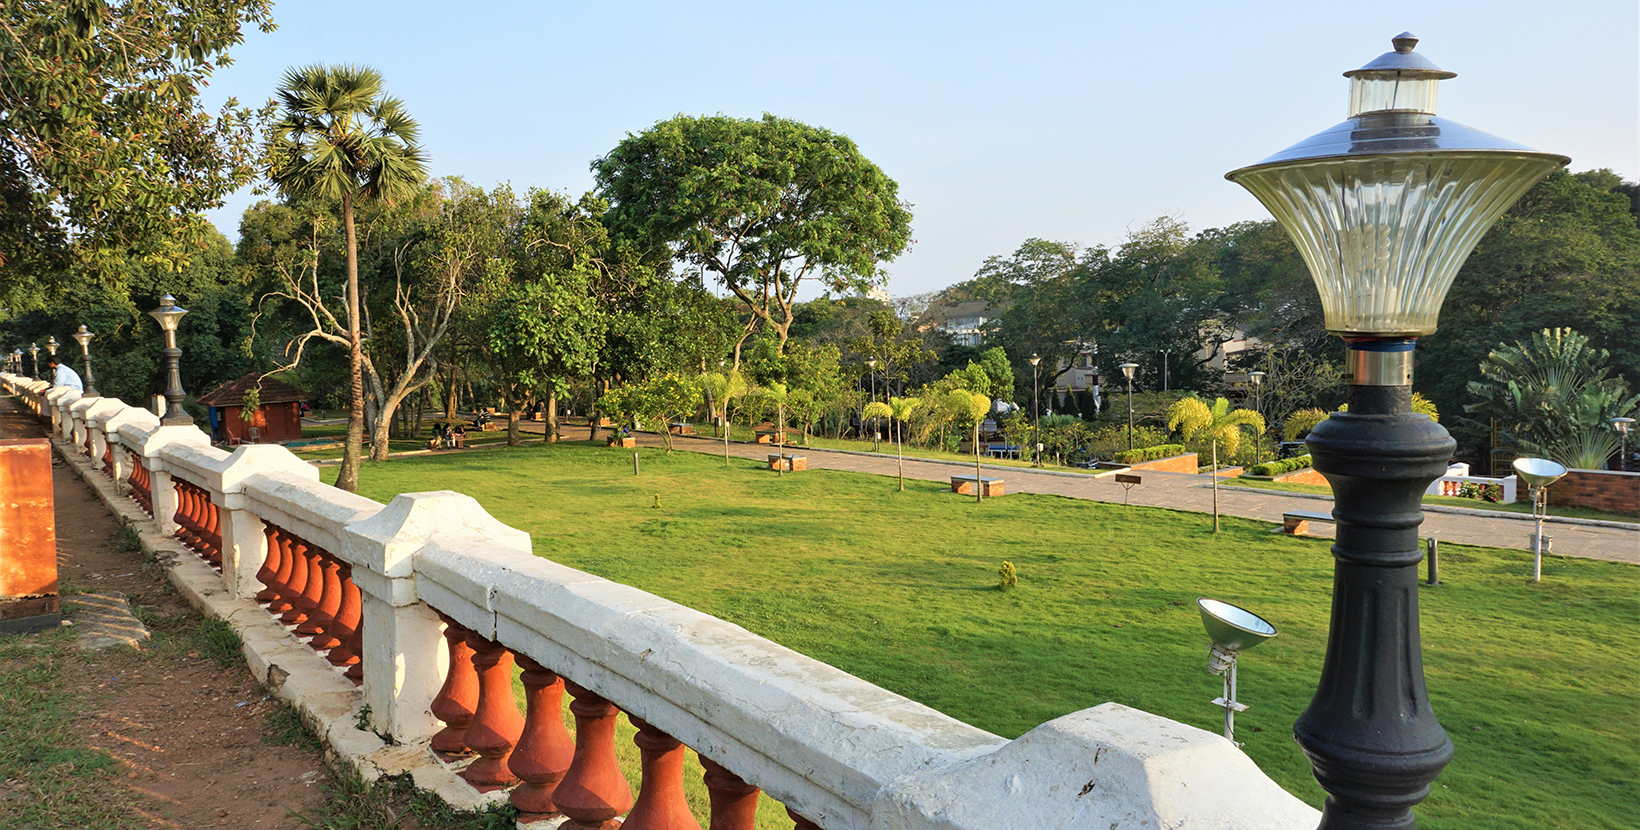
1275, 468
1149, 453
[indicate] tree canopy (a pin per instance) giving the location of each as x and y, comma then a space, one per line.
106, 154
763, 205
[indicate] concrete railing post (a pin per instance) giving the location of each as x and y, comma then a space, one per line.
244, 540
404, 656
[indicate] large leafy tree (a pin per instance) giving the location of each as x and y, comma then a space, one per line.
340, 136
105, 151
762, 205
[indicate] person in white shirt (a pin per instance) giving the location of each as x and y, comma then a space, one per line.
64, 376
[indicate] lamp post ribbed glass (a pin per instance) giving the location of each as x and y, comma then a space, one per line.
1384, 207
169, 316
83, 337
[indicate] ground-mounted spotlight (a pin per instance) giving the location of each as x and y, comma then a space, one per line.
1538, 473
1232, 630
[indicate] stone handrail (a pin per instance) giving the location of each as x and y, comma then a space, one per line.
426, 602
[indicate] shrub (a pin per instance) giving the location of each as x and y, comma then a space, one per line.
1275, 468
1007, 576
1149, 453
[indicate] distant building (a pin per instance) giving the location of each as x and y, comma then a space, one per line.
279, 418
965, 322
1078, 374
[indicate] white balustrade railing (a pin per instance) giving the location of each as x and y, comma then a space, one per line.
426, 601
1458, 475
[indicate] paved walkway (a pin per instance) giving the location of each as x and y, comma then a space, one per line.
1179, 491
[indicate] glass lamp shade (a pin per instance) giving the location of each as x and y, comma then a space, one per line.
169, 314
1385, 207
51, 345
83, 337
1035, 359
1127, 369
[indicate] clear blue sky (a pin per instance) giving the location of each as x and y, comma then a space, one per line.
1066, 121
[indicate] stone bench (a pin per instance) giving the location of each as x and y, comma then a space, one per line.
769, 436
1297, 522
965, 485
792, 463
680, 429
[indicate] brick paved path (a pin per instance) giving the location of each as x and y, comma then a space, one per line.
1179, 491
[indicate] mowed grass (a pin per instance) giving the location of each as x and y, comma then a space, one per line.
1537, 684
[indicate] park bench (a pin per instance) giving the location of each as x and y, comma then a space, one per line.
1297, 522
681, 428
792, 463
1003, 451
965, 485
770, 436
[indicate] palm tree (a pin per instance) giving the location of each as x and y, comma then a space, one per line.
340, 137
1218, 423
775, 393
970, 406
898, 411
721, 390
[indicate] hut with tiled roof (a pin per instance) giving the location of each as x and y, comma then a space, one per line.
279, 417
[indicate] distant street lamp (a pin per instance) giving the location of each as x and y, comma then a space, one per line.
1384, 207
1036, 417
34, 354
1623, 425
1165, 353
169, 315
1258, 406
1127, 372
84, 338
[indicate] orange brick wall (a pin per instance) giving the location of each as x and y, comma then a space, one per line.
28, 525
1607, 490
1308, 475
1173, 464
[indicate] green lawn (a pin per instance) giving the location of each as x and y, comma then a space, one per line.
1522, 507
1537, 684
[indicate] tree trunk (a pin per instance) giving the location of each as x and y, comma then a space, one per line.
450, 396
348, 478
1215, 474
899, 446
551, 428
513, 439
979, 485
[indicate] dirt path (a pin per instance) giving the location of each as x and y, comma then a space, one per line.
188, 735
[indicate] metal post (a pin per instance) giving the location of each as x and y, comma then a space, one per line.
634, 463
1130, 414
1370, 732
1036, 415
1434, 561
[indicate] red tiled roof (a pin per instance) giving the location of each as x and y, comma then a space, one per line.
272, 391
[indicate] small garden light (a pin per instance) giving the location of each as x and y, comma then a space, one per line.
1232, 630
1538, 473
1623, 425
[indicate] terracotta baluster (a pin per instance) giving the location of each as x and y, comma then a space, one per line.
457, 699
347, 621
282, 580
496, 724
802, 823
183, 519
593, 792
545, 749
297, 586
734, 802
661, 805
270, 565
212, 530
355, 643
323, 615
108, 459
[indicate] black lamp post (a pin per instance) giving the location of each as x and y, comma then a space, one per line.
84, 338
1036, 417
1384, 208
1127, 372
169, 315
1258, 406
1623, 425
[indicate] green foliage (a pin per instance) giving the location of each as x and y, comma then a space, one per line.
1554, 395
763, 205
1286, 465
105, 149
1135, 456
1007, 576
1301, 422
1218, 423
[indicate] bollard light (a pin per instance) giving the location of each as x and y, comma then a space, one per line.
169, 315
83, 336
1384, 207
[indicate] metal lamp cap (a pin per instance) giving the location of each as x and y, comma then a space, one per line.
1402, 63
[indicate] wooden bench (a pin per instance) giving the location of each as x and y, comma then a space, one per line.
965, 485
769, 436
1297, 522
793, 463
